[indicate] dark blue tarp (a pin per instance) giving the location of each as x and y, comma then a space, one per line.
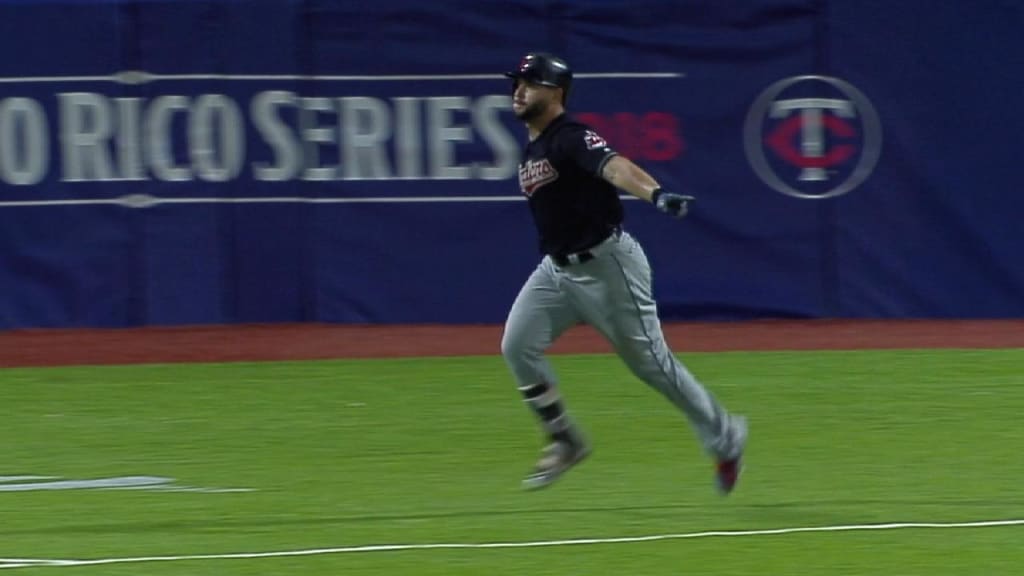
263, 161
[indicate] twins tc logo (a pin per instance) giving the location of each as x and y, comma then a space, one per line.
812, 137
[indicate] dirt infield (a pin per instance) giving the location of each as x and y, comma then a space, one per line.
319, 341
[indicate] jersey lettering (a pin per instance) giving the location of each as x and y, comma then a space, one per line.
535, 173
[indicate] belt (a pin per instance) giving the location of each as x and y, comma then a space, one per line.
563, 260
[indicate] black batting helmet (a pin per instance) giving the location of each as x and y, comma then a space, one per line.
545, 69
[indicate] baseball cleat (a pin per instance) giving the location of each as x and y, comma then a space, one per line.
557, 458
728, 470
727, 473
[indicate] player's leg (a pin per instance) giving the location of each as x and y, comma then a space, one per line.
620, 305
539, 315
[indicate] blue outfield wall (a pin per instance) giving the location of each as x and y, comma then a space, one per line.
190, 162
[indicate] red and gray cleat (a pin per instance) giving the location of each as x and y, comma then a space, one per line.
728, 470
727, 473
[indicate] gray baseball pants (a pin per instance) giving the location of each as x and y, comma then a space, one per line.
612, 293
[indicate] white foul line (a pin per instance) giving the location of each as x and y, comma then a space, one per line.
40, 562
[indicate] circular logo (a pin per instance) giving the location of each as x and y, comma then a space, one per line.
812, 137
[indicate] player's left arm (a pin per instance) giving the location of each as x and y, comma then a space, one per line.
594, 155
626, 175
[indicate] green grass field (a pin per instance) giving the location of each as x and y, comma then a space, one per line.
344, 454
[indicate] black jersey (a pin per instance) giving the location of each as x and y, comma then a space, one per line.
573, 207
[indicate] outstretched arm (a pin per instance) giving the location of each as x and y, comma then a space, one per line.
626, 175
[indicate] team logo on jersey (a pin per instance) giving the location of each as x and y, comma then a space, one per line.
594, 140
813, 137
535, 173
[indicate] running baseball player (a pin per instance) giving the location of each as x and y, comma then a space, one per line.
593, 272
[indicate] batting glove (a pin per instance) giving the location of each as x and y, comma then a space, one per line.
676, 205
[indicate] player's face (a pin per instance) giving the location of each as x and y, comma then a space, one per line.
531, 100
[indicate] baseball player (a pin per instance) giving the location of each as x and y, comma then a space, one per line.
594, 272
